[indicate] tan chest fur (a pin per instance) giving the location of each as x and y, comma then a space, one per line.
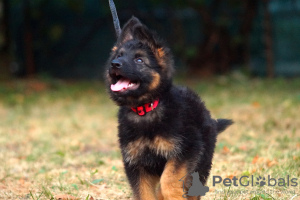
159, 145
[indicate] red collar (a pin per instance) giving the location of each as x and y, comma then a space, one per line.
142, 110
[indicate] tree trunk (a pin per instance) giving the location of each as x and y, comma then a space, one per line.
268, 40
28, 40
249, 12
6, 45
214, 53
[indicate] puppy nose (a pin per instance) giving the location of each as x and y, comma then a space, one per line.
116, 63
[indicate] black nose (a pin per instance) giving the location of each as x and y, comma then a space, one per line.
116, 63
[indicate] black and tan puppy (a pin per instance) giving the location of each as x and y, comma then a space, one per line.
165, 131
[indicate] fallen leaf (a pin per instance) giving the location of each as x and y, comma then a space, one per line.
65, 197
256, 104
93, 187
2, 186
37, 86
258, 159
225, 150
255, 159
243, 147
271, 163
230, 176
21, 181
91, 198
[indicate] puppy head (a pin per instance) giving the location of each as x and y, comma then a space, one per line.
140, 67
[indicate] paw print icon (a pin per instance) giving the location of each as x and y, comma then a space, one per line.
261, 181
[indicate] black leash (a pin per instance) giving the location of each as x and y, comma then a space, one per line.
115, 17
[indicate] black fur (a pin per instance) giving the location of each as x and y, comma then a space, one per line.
179, 131
223, 124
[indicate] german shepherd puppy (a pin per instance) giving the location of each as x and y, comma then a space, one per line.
165, 131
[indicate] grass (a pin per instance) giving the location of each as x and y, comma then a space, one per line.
59, 138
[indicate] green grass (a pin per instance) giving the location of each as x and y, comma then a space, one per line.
60, 137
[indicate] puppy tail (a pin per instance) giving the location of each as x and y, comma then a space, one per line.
222, 124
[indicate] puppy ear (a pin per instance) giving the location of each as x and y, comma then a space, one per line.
134, 29
127, 31
142, 33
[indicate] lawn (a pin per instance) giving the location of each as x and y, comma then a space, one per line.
60, 137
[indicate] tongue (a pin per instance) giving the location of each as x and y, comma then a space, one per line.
120, 85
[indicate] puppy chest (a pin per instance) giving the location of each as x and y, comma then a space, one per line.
139, 149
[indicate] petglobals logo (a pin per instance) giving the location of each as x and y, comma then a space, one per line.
195, 186
256, 181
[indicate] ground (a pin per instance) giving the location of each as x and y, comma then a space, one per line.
60, 137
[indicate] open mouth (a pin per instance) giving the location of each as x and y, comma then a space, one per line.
123, 84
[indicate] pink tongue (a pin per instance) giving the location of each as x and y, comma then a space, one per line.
121, 84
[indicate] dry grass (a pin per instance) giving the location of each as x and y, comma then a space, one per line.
61, 138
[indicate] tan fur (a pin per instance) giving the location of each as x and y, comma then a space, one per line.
160, 56
155, 82
127, 37
160, 52
147, 187
160, 145
171, 187
134, 149
114, 48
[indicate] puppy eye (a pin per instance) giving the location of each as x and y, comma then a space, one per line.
139, 61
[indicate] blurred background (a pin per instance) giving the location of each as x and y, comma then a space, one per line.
72, 38
58, 127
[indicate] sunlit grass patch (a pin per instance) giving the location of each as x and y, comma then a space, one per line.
60, 137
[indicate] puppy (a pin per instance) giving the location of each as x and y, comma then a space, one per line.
165, 131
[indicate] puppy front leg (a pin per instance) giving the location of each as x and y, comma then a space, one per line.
171, 188
142, 183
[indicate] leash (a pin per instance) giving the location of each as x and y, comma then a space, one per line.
115, 17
